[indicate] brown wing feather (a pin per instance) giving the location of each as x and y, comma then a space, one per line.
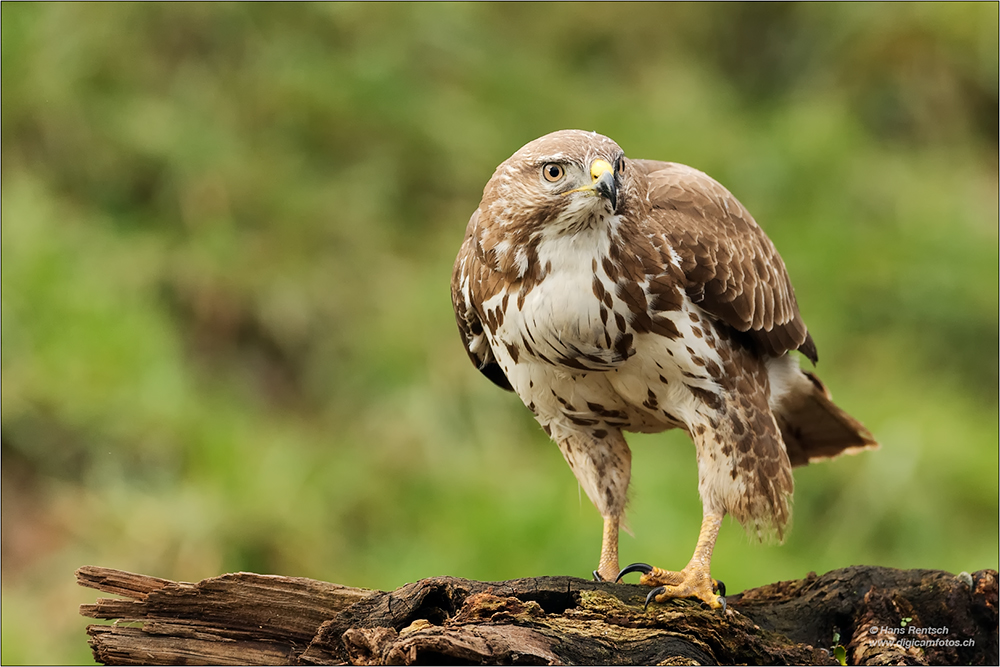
465, 284
733, 270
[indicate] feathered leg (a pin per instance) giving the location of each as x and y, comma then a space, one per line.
602, 463
743, 470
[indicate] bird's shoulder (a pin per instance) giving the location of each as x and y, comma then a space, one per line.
732, 269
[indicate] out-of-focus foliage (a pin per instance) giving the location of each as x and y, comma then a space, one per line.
227, 237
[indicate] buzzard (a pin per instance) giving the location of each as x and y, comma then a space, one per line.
614, 295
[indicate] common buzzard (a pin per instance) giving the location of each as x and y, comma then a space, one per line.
617, 295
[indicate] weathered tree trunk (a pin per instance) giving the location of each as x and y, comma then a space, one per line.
862, 615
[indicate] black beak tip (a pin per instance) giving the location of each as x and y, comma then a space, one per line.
607, 187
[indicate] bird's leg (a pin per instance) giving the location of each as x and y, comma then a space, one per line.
694, 580
602, 463
607, 569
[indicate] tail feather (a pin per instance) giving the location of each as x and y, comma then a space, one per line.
813, 427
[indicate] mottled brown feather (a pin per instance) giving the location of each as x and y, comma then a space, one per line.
744, 285
470, 324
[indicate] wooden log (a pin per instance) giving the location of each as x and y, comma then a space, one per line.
857, 615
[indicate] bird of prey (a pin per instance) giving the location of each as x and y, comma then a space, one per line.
615, 294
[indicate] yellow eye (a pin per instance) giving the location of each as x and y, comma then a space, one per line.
553, 172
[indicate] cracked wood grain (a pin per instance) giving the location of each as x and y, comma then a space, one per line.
247, 618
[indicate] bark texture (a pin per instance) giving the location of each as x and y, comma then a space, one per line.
858, 615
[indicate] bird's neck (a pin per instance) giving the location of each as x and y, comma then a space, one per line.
581, 249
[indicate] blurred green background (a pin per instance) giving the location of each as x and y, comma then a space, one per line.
227, 237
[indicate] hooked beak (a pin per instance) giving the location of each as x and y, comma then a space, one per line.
604, 182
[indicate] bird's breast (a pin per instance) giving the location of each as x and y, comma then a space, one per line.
569, 318
563, 317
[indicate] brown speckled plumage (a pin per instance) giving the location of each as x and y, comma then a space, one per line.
635, 295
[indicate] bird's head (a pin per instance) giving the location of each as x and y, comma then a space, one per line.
566, 181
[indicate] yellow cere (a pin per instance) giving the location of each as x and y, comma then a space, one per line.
599, 167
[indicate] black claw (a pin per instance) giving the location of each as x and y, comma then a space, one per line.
652, 594
723, 601
720, 586
634, 567
597, 577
